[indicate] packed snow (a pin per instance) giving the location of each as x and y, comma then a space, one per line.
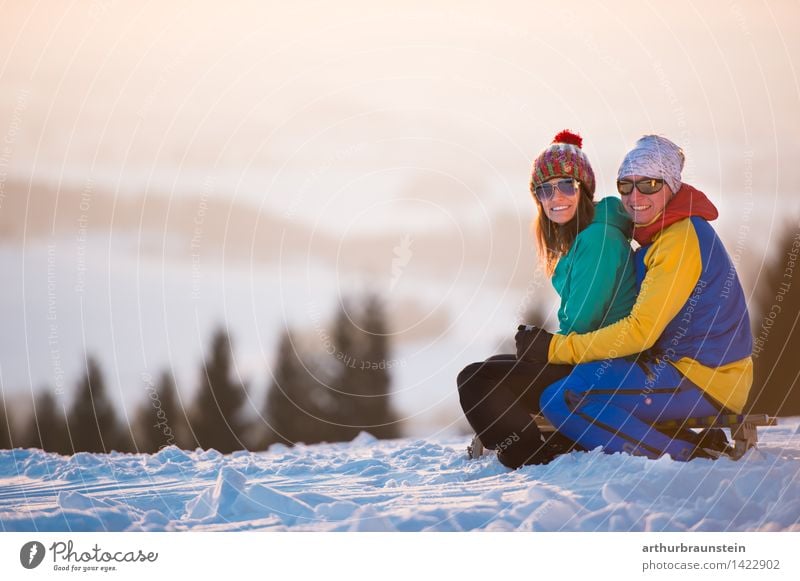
400, 485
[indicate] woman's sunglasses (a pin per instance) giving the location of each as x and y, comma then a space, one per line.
646, 186
547, 190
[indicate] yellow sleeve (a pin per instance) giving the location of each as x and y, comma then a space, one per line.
673, 265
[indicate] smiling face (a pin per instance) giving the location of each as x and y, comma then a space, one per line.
561, 207
644, 208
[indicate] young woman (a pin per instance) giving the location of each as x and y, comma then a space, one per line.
585, 248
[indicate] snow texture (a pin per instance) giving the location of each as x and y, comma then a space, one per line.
400, 485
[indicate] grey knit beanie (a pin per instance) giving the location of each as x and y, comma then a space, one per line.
654, 156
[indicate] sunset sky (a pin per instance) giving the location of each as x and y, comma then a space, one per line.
382, 97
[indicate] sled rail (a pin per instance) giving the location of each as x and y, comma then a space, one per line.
743, 427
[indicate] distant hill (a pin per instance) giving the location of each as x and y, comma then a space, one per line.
216, 227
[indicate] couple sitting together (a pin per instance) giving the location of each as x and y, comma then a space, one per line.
659, 334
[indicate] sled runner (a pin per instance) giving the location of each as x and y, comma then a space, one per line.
744, 431
744, 428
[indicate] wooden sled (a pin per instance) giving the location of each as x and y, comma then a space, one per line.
744, 430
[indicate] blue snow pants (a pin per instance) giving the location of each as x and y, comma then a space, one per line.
613, 404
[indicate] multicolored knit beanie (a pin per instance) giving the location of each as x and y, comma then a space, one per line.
564, 158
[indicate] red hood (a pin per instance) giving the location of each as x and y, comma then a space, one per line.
686, 203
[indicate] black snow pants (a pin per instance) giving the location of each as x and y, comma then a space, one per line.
498, 397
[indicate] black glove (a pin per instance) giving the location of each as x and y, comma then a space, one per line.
533, 344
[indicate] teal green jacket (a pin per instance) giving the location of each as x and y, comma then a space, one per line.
596, 279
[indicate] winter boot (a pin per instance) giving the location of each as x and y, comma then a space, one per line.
475, 448
527, 447
712, 443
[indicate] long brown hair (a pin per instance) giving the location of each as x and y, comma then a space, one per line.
554, 240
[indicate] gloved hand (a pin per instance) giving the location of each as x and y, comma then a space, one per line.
533, 343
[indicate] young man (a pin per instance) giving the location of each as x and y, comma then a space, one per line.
684, 350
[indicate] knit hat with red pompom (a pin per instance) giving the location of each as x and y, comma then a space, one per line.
564, 158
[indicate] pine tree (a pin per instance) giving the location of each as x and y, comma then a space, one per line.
48, 425
92, 421
776, 385
216, 418
346, 392
159, 421
5, 428
377, 415
361, 386
347, 386
298, 402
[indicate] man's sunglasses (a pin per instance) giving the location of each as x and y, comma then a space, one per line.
547, 190
646, 186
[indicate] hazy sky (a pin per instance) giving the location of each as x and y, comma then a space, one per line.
340, 113
390, 141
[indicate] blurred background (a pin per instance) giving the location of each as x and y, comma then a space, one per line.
264, 217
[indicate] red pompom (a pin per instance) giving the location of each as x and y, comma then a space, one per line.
568, 136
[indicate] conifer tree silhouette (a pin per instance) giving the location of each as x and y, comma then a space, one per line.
377, 416
216, 417
5, 427
776, 332
342, 391
347, 387
361, 384
92, 420
298, 402
47, 428
160, 420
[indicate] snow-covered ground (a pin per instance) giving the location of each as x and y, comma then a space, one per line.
400, 485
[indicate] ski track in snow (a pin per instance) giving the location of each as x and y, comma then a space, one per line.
400, 485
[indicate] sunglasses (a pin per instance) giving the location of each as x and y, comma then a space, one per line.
646, 186
547, 190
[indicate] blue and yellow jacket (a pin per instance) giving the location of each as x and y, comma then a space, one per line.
690, 310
